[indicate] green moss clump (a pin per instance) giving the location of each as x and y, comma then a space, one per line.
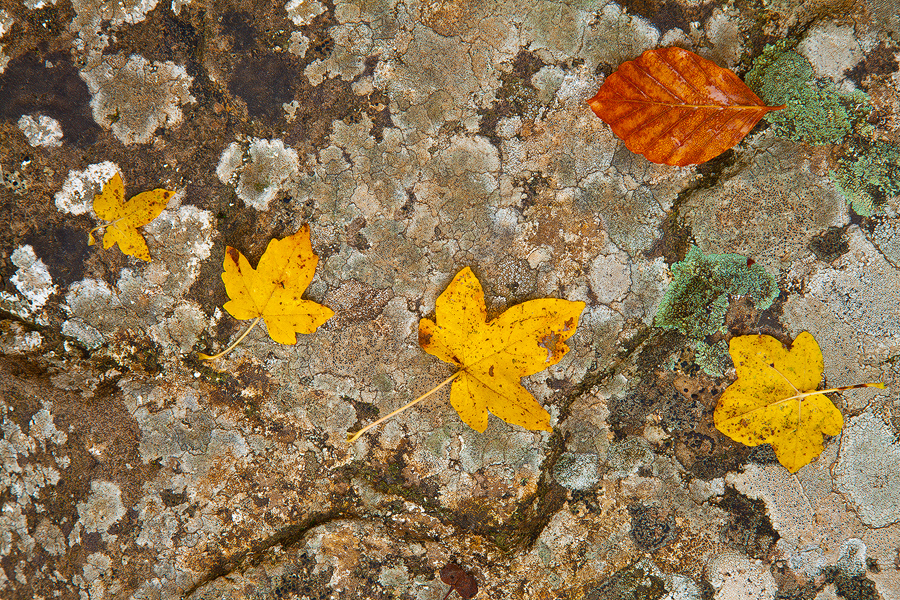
868, 174
816, 111
697, 299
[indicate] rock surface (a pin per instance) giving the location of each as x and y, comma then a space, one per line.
417, 138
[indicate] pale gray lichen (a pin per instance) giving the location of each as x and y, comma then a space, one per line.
90, 16
92, 307
41, 130
767, 208
133, 97
32, 278
353, 42
577, 470
77, 194
852, 561
302, 12
610, 277
610, 36
102, 509
6, 23
177, 5
737, 577
23, 482
852, 308
626, 457
149, 298
260, 170
831, 49
16, 339
868, 470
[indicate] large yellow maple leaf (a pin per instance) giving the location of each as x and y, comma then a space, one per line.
494, 356
272, 292
126, 217
775, 400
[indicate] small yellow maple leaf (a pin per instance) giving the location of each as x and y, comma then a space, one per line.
273, 290
494, 356
775, 400
126, 217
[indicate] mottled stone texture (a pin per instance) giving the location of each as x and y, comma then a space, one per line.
417, 138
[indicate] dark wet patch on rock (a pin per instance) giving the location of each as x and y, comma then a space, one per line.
852, 588
749, 527
880, 61
651, 527
669, 14
244, 392
63, 249
831, 244
49, 85
516, 96
265, 82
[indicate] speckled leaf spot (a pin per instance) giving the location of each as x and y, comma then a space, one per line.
273, 291
677, 108
126, 217
494, 356
775, 400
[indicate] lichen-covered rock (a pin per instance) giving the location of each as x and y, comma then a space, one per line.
417, 138
867, 470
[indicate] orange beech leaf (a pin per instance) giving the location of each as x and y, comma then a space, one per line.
677, 108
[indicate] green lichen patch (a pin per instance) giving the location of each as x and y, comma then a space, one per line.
816, 111
697, 299
712, 358
868, 174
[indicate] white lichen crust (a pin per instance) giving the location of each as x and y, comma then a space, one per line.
133, 97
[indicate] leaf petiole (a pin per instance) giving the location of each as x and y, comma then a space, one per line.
231, 347
91, 240
844, 388
352, 437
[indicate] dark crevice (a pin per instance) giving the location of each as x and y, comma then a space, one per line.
675, 237
285, 538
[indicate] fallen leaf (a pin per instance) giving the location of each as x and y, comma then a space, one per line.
126, 217
677, 108
272, 292
775, 400
458, 579
493, 357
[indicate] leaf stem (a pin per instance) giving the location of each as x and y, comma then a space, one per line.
103, 226
844, 388
231, 347
352, 437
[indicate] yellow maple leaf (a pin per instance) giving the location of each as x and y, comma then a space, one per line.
493, 356
272, 292
775, 400
126, 217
